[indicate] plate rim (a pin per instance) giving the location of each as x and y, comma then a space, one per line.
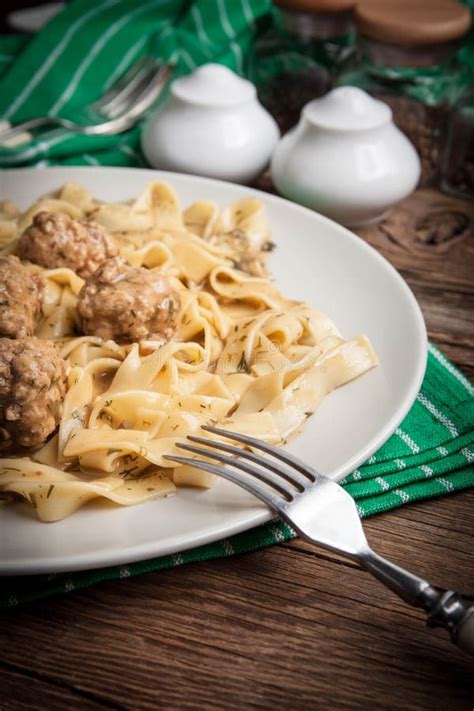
92, 561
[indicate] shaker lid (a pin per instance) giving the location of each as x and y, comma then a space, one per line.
406, 22
347, 108
213, 85
317, 5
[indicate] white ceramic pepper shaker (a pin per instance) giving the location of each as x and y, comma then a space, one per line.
212, 125
346, 158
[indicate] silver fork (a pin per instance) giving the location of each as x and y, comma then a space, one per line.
322, 512
117, 110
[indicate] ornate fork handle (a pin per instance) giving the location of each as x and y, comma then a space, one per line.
321, 511
445, 608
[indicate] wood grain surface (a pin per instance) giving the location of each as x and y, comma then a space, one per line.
290, 627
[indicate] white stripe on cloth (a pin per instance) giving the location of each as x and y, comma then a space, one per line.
94, 51
450, 426
126, 150
228, 547
467, 454
278, 535
427, 470
55, 54
402, 494
204, 39
126, 60
226, 26
90, 159
249, 16
408, 440
382, 483
444, 482
187, 59
451, 369
237, 52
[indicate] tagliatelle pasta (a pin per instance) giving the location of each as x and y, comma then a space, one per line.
244, 356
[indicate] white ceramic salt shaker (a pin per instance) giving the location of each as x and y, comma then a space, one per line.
346, 158
212, 125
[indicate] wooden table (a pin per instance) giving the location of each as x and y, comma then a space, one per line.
290, 627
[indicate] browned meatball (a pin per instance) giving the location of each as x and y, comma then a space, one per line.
127, 303
32, 388
20, 298
56, 240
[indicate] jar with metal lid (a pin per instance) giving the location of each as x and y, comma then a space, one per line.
407, 57
297, 57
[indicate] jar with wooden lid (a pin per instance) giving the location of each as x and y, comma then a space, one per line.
407, 57
296, 59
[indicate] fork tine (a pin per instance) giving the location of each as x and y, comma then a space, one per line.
124, 84
250, 485
265, 447
238, 464
251, 456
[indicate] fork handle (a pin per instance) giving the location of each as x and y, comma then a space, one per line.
465, 632
445, 609
27, 126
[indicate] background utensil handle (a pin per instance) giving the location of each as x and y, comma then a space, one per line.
445, 609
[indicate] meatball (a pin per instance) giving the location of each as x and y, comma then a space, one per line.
32, 388
127, 303
56, 240
20, 298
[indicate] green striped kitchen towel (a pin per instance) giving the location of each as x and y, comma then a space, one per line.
431, 453
71, 62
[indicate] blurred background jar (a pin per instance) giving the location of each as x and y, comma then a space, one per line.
407, 57
457, 159
300, 53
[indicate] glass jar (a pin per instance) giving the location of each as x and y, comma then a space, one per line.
297, 57
457, 161
322, 29
407, 58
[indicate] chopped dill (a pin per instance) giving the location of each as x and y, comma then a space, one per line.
242, 365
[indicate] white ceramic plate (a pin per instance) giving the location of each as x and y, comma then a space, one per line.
316, 260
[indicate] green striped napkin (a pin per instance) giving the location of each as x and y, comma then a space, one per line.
431, 453
71, 62
80, 53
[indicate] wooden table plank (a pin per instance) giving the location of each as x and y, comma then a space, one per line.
280, 628
291, 626
429, 238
